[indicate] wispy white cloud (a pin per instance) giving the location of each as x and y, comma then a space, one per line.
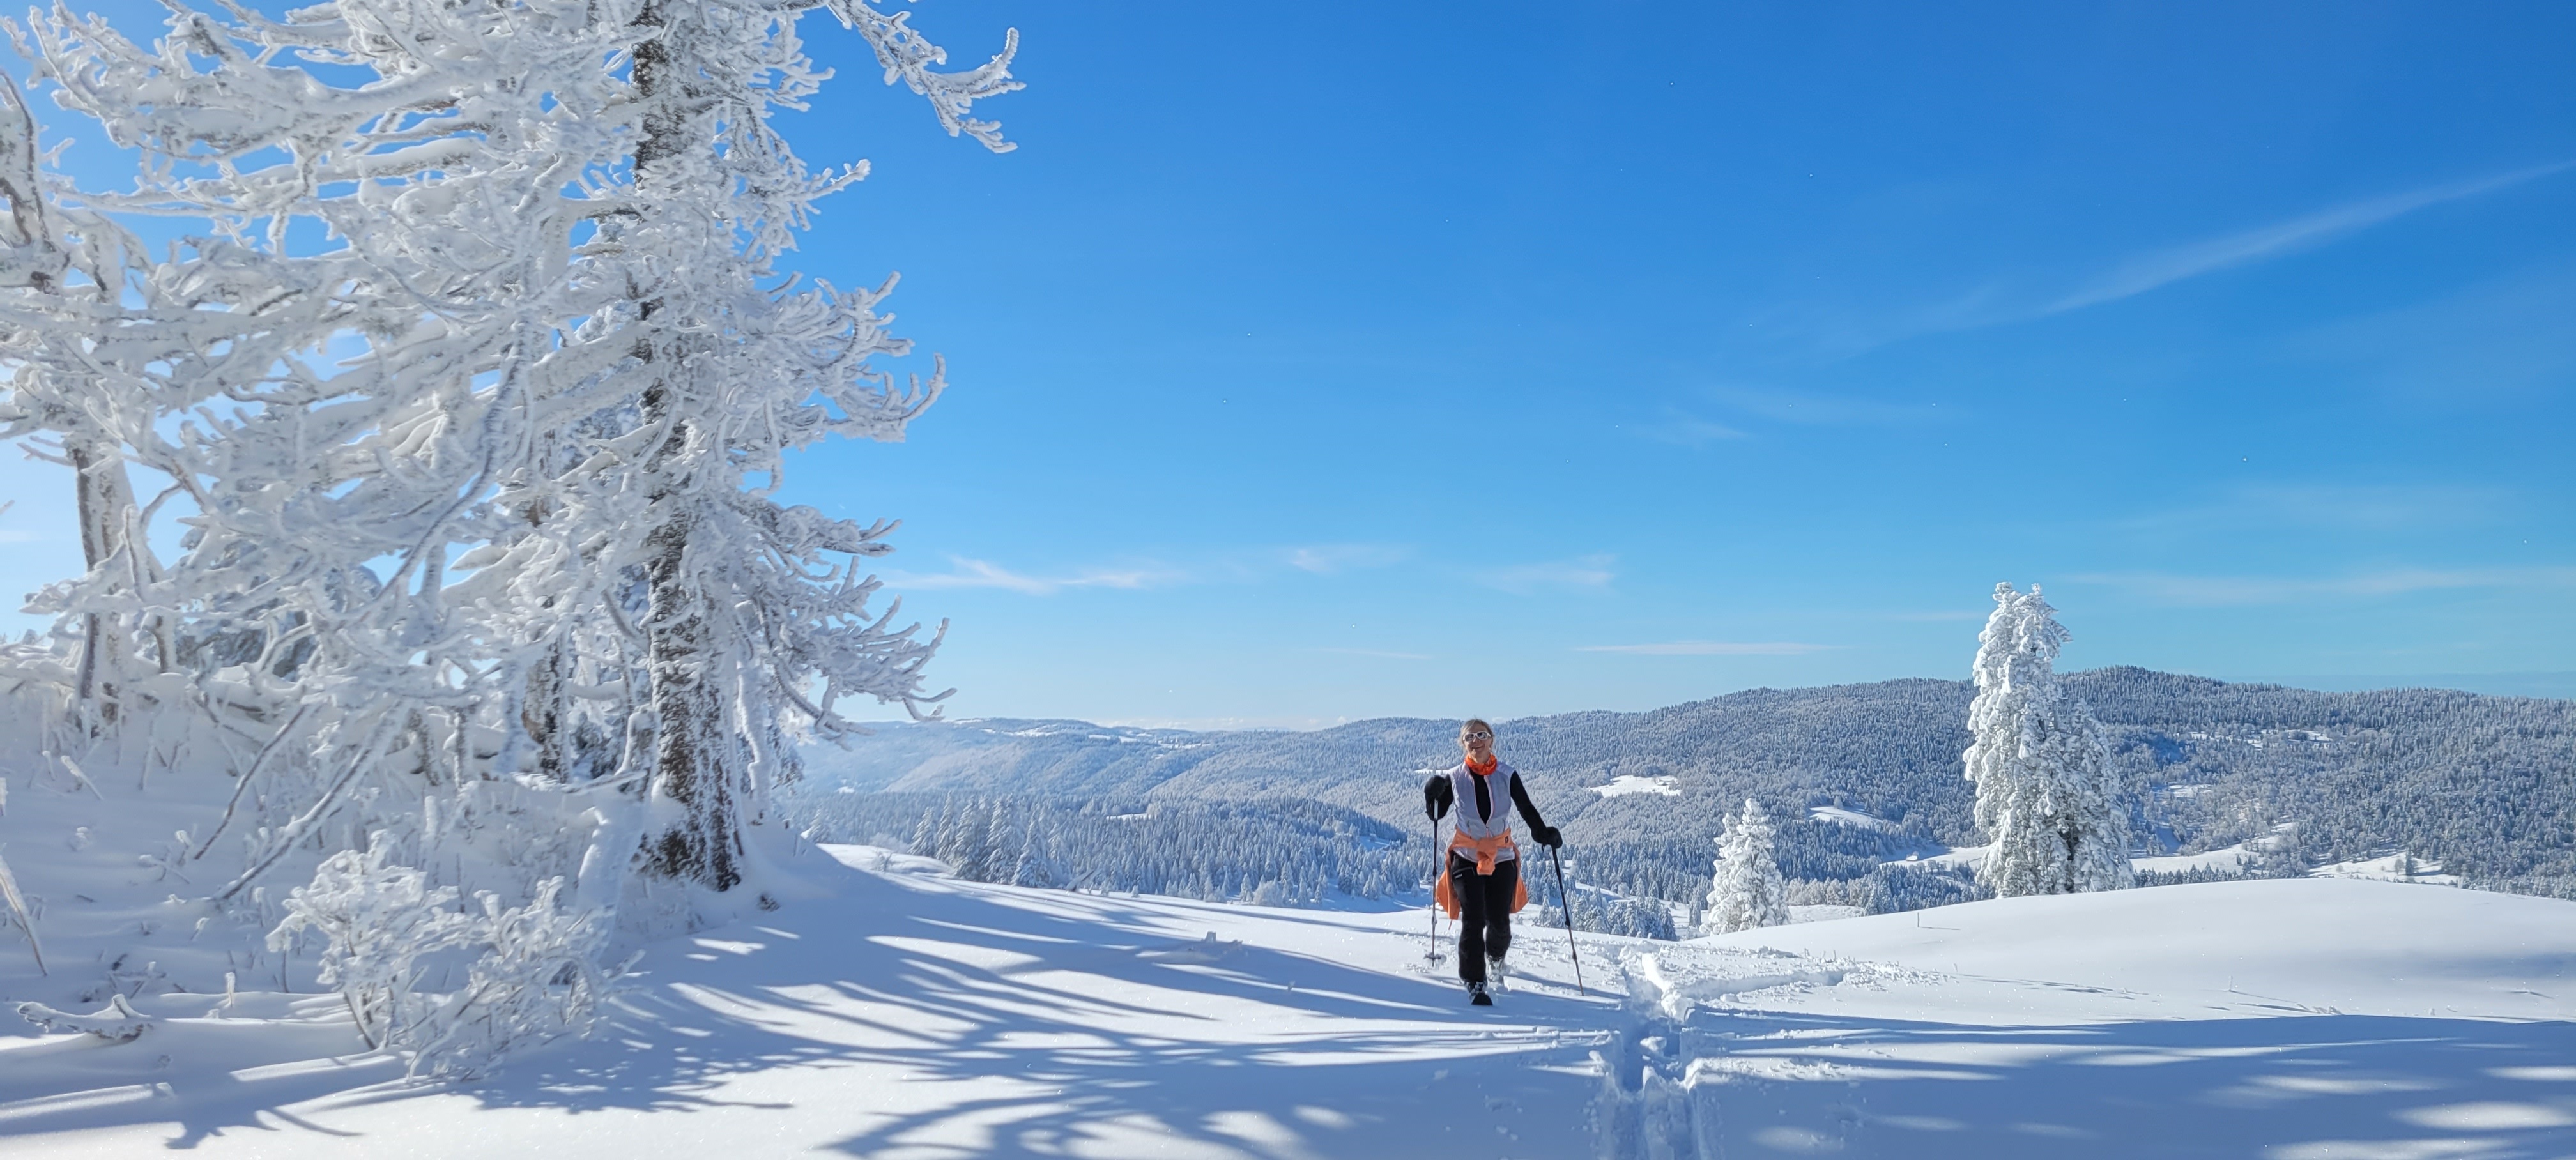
2002, 301
2217, 591
17, 536
1778, 406
1688, 430
1327, 559
1814, 409
2372, 508
972, 573
1712, 648
1244, 565
1381, 654
1580, 572
2500, 337
2166, 267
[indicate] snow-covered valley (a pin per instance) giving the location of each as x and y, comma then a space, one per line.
899, 1012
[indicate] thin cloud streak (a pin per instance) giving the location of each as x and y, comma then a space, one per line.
1522, 579
2152, 271
1712, 648
1817, 410
972, 573
1327, 559
1690, 431
1990, 305
2222, 591
2372, 508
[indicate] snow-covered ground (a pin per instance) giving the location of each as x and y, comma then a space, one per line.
905, 1015
2282, 1019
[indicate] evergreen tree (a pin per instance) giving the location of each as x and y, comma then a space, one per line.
1748, 890
925, 833
1034, 868
2046, 796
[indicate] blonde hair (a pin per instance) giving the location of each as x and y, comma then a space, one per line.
1472, 724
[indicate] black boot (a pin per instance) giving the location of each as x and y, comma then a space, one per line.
1477, 997
1501, 974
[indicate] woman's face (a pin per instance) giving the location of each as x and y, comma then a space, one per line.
1479, 743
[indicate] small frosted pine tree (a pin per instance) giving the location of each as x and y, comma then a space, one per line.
1748, 890
2046, 795
1034, 867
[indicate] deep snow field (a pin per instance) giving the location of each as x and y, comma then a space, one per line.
898, 1013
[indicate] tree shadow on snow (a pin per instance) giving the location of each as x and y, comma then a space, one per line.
983, 1023
2306, 1087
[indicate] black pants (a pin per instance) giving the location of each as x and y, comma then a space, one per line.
1484, 912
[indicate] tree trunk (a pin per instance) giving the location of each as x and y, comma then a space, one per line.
692, 751
691, 747
104, 503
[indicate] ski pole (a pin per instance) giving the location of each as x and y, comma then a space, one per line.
1431, 954
1565, 906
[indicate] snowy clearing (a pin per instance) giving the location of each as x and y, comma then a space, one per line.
2228, 859
2397, 867
905, 1014
1840, 816
1628, 783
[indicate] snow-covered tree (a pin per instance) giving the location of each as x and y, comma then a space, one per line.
474, 390
731, 368
1747, 890
60, 276
2046, 795
1034, 867
469, 376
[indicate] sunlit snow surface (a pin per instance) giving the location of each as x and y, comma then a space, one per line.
908, 1016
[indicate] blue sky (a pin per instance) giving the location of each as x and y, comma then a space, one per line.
1312, 363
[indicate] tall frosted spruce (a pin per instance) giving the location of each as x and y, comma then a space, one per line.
2046, 797
731, 369
471, 377
1747, 891
461, 360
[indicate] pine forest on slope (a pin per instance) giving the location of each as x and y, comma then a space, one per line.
2480, 784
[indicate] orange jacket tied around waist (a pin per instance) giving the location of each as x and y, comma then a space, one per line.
1485, 850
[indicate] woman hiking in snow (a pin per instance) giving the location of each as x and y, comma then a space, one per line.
1481, 884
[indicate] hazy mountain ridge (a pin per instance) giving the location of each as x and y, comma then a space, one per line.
2485, 784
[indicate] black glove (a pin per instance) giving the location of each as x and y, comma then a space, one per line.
1437, 796
1548, 836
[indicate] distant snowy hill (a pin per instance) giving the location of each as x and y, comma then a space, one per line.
891, 1010
2486, 786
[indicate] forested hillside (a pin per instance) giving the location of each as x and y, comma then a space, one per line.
2480, 784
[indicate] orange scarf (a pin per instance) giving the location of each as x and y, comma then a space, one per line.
1488, 767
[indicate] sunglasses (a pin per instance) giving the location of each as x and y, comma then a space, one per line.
1476, 734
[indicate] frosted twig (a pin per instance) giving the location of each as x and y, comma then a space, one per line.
231, 803
18, 907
